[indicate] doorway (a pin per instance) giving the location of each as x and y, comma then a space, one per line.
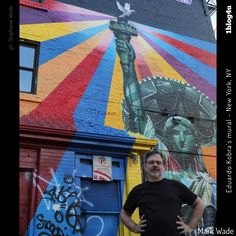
100, 201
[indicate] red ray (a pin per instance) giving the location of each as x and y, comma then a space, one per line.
198, 53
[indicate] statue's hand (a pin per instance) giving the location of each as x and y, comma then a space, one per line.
125, 51
131, 51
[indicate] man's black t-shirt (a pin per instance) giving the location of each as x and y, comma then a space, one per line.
160, 202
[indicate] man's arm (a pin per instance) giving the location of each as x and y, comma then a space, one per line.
198, 209
126, 219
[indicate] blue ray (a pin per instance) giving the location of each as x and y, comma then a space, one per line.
207, 46
51, 48
195, 65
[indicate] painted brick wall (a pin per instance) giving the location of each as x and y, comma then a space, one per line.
80, 80
191, 20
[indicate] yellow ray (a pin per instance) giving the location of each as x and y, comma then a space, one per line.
52, 73
114, 110
157, 64
148, 58
43, 32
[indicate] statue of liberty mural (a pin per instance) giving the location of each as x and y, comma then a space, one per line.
180, 117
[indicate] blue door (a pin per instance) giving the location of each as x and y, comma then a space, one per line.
100, 201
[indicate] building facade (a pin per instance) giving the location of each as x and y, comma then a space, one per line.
84, 127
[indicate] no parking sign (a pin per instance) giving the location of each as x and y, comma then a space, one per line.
102, 168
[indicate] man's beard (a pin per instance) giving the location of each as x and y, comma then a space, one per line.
155, 173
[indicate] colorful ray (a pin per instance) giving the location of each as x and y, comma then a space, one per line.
198, 53
156, 62
68, 41
114, 111
68, 93
204, 45
140, 61
89, 116
60, 29
56, 68
197, 67
147, 58
189, 75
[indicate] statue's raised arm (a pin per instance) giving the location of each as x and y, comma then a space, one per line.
132, 94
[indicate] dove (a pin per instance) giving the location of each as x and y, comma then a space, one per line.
126, 9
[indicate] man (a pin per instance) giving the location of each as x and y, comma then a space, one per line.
159, 201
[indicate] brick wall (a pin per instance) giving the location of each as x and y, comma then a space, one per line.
190, 20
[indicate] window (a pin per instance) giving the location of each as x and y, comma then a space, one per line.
28, 66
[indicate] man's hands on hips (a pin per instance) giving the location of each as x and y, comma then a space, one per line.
139, 228
185, 228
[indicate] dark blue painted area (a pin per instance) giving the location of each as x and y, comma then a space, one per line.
101, 201
104, 196
56, 46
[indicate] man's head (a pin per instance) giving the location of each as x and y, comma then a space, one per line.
154, 164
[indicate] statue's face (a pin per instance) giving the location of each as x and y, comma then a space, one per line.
182, 139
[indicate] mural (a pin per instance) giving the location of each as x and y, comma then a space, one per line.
104, 75
64, 213
179, 139
65, 201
